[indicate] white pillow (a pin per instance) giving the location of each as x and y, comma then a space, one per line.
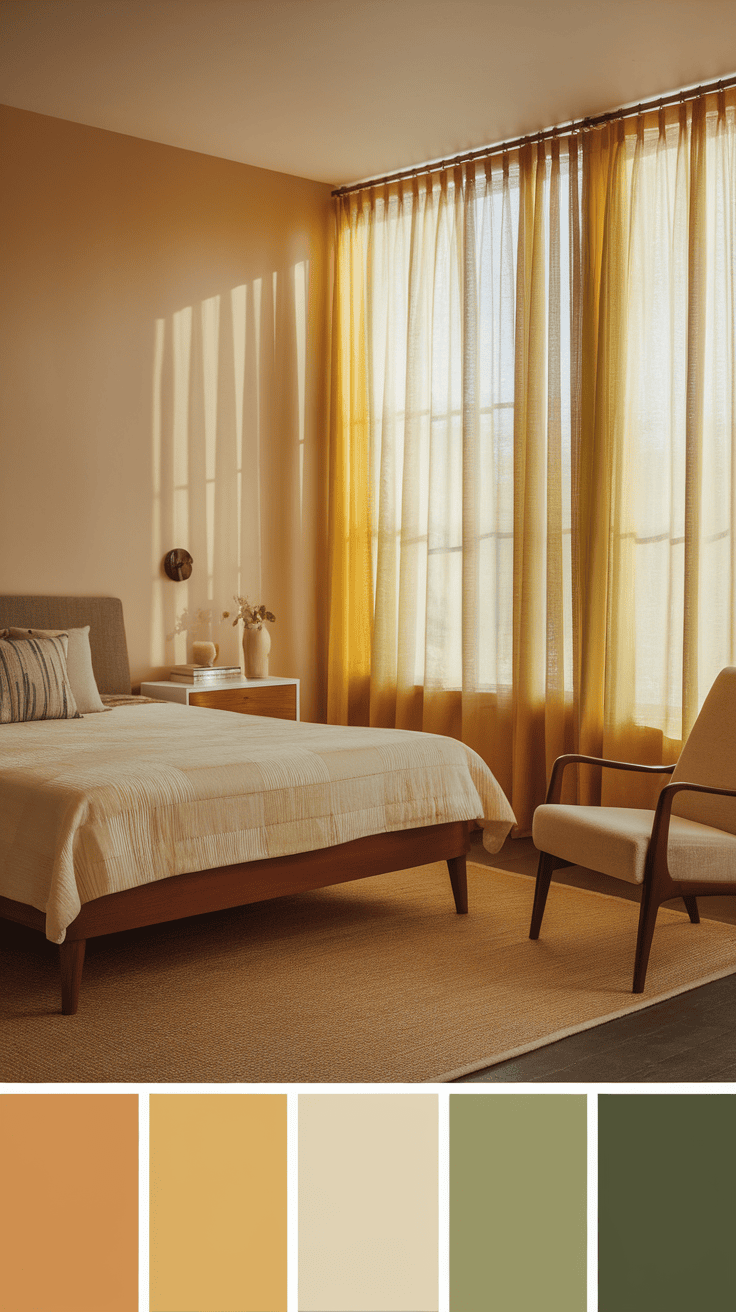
78, 664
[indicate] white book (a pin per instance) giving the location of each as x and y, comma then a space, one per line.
203, 670
205, 680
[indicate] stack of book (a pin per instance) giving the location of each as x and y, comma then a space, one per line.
204, 675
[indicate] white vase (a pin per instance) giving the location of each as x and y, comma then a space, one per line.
256, 646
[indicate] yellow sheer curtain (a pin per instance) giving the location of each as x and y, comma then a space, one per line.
658, 476
532, 482
443, 306
350, 598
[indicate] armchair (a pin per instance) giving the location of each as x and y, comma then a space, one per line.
685, 848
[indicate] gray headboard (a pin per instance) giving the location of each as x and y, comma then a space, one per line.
106, 630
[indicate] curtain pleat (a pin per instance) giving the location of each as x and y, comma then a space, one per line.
349, 526
694, 413
530, 461
532, 474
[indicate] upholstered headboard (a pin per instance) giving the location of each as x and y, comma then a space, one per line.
106, 630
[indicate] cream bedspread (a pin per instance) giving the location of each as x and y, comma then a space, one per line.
93, 806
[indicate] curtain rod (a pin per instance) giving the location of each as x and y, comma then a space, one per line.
566, 129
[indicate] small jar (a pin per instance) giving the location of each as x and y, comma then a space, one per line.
205, 653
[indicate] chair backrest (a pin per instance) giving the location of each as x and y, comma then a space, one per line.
709, 757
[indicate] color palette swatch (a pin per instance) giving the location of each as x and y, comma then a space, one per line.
69, 1202
518, 1200
368, 1203
666, 1202
217, 1202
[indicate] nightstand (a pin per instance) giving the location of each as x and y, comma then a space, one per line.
275, 697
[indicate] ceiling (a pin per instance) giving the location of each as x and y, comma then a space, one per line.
341, 90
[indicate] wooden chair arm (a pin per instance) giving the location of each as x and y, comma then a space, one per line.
663, 814
554, 790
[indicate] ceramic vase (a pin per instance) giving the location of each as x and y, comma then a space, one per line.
256, 646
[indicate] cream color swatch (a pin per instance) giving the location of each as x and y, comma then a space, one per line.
368, 1203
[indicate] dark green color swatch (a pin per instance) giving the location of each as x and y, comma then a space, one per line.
667, 1203
518, 1178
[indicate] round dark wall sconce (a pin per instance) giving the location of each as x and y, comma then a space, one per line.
178, 564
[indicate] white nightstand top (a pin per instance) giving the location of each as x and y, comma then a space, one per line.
219, 683
171, 690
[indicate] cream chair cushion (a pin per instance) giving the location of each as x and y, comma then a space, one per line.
614, 841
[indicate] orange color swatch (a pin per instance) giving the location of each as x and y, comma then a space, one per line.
69, 1202
218, 1202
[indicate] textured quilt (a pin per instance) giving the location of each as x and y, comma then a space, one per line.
113, 801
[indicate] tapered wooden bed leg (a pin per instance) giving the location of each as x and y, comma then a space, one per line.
71, 954
459, 881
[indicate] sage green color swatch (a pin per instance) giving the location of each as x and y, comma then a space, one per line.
667, 1203
518, 1194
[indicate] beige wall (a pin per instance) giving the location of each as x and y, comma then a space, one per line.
163, 341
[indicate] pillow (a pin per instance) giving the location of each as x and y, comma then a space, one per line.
78, 664
33, 681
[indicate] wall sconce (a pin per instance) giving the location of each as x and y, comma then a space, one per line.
178, 564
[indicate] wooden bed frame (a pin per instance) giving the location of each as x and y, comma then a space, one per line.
253, 881
194, 894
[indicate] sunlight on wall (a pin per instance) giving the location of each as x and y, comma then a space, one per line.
301, 281
157, 653
229, 442
210, 345
238, 307
182, 358
249, 365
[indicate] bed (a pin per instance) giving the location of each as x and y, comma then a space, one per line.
152, 812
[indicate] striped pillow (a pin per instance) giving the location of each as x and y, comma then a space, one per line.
34, 684
78, 663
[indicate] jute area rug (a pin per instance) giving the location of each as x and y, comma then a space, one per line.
375, 981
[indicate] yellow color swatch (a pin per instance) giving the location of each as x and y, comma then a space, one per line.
218, 1202
68, 1202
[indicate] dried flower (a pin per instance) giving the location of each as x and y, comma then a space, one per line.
253, 617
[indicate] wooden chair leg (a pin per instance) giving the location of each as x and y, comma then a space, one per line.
71, 954
692, 909
547, 865
650, 902
459, 881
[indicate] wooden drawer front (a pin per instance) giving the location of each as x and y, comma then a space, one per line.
278, 700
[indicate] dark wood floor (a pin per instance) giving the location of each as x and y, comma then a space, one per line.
687, 1039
